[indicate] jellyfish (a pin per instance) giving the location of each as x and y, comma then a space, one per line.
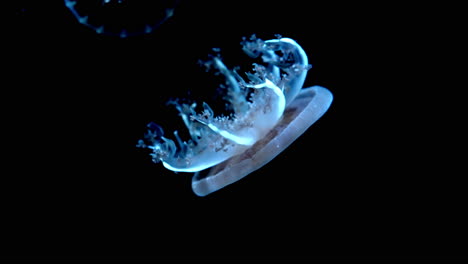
122, 18
270, 110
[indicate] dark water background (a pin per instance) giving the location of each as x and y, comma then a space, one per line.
368, 180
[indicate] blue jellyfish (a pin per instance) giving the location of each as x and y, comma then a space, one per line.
122, 18
270, 108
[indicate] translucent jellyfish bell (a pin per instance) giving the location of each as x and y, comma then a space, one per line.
271, 110
305, 110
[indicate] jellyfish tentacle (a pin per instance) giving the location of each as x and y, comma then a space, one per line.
282, 55
248, 136
154, 139
294, 62
206, 147
236, 95
278, 104
185, 111
238, 139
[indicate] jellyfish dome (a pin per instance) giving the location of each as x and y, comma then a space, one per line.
271, 109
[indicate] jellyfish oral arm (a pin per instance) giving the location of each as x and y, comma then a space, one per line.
228, 135
277, 105
296, 64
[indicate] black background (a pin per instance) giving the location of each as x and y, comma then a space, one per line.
373, 178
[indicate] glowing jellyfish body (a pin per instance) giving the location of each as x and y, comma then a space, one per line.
270, 111
122, 18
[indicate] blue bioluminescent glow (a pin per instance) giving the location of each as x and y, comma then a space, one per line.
270, 111
122, 18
